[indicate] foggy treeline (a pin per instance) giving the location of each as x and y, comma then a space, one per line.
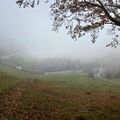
108, 67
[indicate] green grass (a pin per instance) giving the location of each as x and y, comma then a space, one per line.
83, 82
13, 71
7, 81
58, 97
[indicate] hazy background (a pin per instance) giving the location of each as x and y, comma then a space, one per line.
29, 32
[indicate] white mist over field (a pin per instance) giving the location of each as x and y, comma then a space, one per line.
29, 32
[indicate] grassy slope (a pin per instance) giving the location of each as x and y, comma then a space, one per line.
13, 71
7, 82
58, 97
76, 81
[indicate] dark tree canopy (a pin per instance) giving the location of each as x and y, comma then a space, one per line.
83, 16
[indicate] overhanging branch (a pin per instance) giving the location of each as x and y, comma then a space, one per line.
115, 21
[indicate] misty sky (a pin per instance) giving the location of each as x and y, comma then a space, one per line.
29, 31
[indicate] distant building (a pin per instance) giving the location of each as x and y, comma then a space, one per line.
99, 72
18, 67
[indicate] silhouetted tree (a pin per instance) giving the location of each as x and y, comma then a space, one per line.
83, 16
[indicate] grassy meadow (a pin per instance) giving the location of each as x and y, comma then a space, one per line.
58, 97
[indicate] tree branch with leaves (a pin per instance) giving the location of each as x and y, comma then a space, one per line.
82, 16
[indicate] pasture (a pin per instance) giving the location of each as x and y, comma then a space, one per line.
59, 97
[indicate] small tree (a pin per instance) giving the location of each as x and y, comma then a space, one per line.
83, 16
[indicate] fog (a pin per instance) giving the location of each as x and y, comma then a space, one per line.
46, 75
29, 32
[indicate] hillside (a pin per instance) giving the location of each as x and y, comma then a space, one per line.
59, 97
